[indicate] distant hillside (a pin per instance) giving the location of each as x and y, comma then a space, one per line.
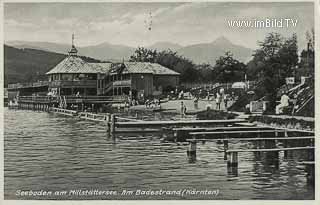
165, 46
198, 53
209, 52
45, 46
107, 51
104, 51
27, 65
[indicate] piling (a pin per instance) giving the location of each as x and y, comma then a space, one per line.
232, 171
311, 155
225, 148
113, 125
285, 144
310, 174
192, 151
272, 158
232, 159
312, 142
108, 121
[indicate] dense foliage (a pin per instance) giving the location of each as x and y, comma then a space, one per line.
168, 59
227, 68
276, 59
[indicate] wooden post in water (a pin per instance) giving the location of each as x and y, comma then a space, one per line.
225, 147
310, 169
233, 159
285, 144
108, 121
112, 126
192, 151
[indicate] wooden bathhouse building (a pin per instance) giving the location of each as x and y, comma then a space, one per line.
73, 75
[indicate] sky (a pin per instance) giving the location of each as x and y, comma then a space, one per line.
127, 23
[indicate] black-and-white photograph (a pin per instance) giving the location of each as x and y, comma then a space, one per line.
159, 100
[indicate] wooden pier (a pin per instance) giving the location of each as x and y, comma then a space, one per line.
265, 144
45, 103
114, 122
172, 123
194, 131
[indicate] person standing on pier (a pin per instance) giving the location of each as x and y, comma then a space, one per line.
225, 100
218, 101
182, 108
196, 99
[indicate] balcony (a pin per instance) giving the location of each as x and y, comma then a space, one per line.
28, 85
74, 83
122, 83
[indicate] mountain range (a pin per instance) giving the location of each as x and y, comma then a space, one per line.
27, 65
198, 53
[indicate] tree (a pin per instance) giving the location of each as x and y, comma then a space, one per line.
310, 39
205, 72
228, 69
306, 65
144, 55
170, 60
288, 57
276, 59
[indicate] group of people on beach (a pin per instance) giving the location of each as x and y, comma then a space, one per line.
155, 103
221, 97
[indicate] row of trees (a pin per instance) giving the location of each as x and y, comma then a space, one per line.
226, 69
275, 59
169, 59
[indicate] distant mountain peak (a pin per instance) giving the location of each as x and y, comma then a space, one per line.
221, 40
164, 45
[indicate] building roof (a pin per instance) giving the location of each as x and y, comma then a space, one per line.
74, 64
154, 68
145, 68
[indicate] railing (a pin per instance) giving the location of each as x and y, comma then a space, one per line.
71, 99
199, 85
37, 99
64, 111
210, 86
27, 85
75, 99
75, 83
94, 117
122, 83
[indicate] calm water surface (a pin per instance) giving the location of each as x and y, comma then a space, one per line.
54, 153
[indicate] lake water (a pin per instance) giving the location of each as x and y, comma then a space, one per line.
50, 152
